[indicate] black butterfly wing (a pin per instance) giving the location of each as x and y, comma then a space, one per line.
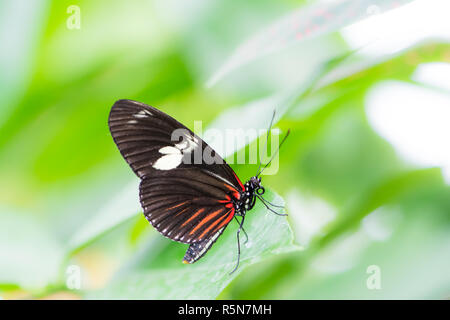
185, 199
146, 135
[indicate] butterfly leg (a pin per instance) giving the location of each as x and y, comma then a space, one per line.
245, 233
239, 245
270, 209
273, 205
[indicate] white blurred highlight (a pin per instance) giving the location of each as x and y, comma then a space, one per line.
435, 74
398, 29
414, 120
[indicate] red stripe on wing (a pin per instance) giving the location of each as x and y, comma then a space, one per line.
212, 226
238, 180
226, 221
193, 216
236, 193
206, 219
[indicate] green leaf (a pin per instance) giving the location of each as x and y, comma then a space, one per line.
150, 277
302, 24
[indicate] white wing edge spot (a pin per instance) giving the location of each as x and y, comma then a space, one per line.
143, 114
169, 150
210, 242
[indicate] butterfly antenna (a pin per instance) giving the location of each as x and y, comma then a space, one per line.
273, 156
265, 143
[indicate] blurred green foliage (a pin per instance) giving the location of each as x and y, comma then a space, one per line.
68, 198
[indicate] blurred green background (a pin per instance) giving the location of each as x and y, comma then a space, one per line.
357, 200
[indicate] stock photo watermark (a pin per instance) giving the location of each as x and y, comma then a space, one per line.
373, 282
73, 277
73, 22
373, 10
189, 149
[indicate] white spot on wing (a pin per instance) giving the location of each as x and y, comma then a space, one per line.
168, 162
169, 150
132, 121
143, 114
172, 158
210, 242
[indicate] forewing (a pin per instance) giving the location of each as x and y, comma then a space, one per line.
151, 142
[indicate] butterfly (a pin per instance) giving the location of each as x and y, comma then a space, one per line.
184, 195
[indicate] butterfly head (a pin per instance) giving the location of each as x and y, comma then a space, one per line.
254, 186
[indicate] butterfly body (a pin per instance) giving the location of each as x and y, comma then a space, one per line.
248, 198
